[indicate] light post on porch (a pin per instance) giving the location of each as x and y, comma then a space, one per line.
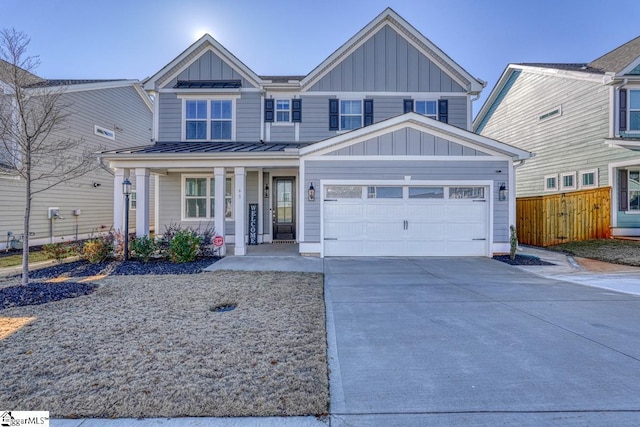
126, 190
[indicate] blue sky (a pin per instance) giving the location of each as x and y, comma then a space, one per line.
136, 38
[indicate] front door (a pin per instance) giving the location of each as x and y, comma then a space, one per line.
284, 214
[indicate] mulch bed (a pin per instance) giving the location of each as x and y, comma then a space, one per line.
521, 260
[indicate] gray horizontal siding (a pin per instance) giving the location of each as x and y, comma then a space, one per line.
248, 117
109, 108
169, 117
458, 111
282, 133
315, 171
315, 119
407, 142
387, 63
572, 142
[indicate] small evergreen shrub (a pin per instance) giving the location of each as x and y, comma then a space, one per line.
59, 251
98, 249
142, 248
185, 246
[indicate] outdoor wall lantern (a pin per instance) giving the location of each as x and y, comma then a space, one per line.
502, 192
311, 192
126, 190
266, 191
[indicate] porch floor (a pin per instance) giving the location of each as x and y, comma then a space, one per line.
269, 257
269, 249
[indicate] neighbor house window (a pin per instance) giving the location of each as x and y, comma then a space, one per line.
568, 181
634, 190
427, 108
208, 120
551, 182
104, 132
634, 110
199, 197
589, 179
134, 203
283, 111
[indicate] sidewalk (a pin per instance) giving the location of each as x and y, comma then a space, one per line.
584, 271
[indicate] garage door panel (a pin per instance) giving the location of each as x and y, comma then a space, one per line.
406, 227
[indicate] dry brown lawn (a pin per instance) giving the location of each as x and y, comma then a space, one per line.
149, 346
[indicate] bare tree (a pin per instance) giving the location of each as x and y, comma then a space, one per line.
33, 117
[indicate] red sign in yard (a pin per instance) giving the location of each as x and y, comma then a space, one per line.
218, 241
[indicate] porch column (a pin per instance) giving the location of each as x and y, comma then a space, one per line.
239, 202
119, 176
220, 175
142, 202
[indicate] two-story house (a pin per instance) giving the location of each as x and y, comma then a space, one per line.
371, 153
583, 123
100, 114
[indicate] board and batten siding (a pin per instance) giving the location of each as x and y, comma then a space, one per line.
209, 66
407, 141
420, 169
386, 63
120, 107
570, 142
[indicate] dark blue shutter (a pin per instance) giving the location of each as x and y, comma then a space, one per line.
334, 114
623, 190
269, 107
443, 110
296, 110
368, 112
408, 105
623, 109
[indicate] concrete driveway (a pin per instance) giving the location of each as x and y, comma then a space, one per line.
447, 341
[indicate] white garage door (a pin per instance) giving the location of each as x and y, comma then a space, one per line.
405, 220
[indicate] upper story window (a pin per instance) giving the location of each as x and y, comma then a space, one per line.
427, 108
349, 114
283, 110
629, 110
208, 120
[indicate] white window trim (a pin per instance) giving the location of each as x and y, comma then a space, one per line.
415, 101
209, 98
133, 198
104, 132
561, 181
340, 114
275, 113
595, 178
629, 130
630, 211
546, 177
210, 215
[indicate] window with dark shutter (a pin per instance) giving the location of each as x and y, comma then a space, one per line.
623, 190
443, 110
296, 110
368, 112
408, 105
334, 114
623, 109
269, 107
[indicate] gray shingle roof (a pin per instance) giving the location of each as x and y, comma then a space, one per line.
208, 147
619, 58
67, 82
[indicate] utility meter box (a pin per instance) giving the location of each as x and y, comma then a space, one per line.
53, 213
77, 212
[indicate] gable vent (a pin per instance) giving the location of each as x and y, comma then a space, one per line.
208, 84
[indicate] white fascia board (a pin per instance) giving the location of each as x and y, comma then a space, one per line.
497, 88
423, 124
405, 30
404, 158
82, 87
362, 94
630, 67
214, 46
209, 164
624, 143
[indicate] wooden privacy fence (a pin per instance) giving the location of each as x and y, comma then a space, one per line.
566, 217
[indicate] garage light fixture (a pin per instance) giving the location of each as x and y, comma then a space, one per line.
311, 192
502, 191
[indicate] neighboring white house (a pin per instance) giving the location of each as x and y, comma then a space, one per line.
582, 121
106, 114
371, 153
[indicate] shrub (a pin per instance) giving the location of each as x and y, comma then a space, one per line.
98, 249
59, 251
142, 248
185, 246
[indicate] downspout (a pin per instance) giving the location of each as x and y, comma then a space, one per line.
261, 115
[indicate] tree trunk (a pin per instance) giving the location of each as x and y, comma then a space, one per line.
25, 228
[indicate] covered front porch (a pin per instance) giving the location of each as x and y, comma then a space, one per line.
246, 198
